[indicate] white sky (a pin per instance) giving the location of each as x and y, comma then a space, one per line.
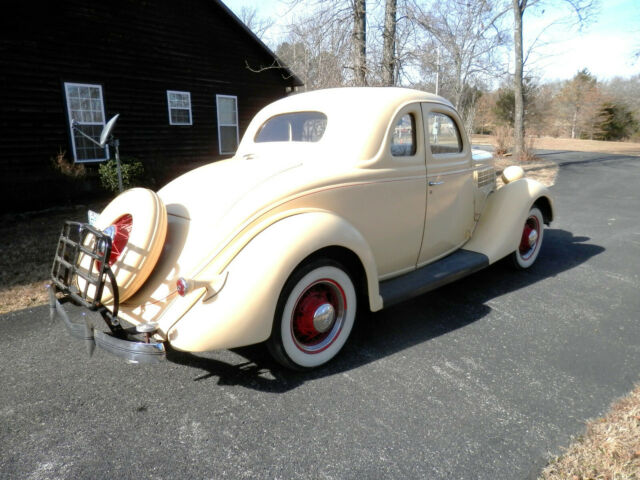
605, 47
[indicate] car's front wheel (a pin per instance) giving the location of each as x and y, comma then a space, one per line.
530, 241
314, 317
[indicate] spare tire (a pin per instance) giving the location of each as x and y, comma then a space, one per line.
136, 221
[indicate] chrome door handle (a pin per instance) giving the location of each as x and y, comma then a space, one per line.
431, 184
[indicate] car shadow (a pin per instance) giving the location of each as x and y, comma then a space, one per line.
377, 335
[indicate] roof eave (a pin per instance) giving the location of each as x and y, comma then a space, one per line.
287, 73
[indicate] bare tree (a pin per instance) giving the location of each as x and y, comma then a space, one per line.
389, 43
359, 8
582, 10
579, 103
465, 38
318, 50
255, 23
339, 15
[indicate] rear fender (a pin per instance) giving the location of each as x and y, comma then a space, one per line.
242, 312
499, 229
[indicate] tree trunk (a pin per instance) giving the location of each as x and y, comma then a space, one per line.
360, 42
389, 47
518, 122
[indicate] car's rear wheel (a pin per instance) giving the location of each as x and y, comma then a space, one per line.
314, 316
530, 240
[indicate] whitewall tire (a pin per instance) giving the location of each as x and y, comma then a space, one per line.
530, 240
314, 317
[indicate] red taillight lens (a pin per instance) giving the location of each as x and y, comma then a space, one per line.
182, 286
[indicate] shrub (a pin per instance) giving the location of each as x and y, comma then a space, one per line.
66, 167
504, 140
527, 154
132, 171
616, 122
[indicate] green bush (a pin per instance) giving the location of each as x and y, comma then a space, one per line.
132, 171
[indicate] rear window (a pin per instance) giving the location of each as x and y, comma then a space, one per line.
293, 127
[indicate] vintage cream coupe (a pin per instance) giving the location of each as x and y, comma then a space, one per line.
336, 200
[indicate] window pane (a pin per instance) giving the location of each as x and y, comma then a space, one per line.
293, 127
85, 149
228, 139
180, 116
444, 136
227, 111
403, 143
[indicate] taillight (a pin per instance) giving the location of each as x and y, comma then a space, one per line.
182, 286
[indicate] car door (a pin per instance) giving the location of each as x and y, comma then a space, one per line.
450, 208
388, 205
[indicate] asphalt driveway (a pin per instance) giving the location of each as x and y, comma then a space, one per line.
481, 379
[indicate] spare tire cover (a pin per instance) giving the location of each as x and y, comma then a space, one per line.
136, 221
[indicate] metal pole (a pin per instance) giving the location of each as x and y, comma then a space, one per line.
116, 144
438, 71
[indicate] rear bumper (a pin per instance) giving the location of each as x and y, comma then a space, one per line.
128, 347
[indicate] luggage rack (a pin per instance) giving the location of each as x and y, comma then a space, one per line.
83, 252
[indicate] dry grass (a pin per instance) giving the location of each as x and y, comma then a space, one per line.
609, 450
540, 169
26, 253
576, 145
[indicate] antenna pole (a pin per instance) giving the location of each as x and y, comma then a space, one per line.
116, 144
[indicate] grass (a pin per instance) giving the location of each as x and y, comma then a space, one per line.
545, 171
26, 253
576, 145
609, 449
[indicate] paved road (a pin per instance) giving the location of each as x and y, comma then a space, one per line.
478, 380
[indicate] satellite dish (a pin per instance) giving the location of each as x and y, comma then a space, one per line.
106, 131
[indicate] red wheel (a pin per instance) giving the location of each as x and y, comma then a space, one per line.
119, 232
315, 315
530, 241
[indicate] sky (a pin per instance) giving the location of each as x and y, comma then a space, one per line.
605, 46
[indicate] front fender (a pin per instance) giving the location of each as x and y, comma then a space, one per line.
499, 229
242, 312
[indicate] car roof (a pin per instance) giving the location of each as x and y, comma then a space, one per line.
330, 98
358, 118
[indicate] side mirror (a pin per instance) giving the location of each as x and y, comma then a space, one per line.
108, 128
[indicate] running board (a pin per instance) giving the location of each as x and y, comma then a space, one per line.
432, 276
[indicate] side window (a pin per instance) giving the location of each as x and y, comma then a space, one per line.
444, 136
403, 143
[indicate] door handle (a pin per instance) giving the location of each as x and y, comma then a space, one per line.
431, 184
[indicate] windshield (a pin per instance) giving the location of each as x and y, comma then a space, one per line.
293, 127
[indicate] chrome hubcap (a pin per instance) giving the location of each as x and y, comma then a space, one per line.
533, 237
324, 317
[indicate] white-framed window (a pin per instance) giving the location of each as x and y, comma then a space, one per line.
85, 106
179, 105
227, 106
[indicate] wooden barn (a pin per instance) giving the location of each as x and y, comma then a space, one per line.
186, 78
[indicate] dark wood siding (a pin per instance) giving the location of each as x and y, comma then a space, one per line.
136, 50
